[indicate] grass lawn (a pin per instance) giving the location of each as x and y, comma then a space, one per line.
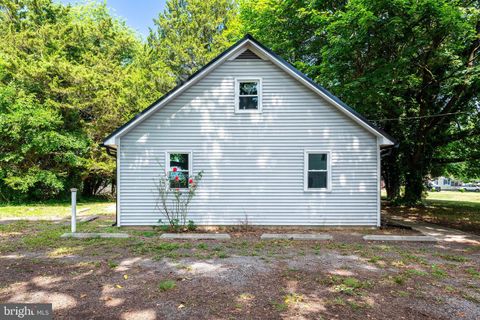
460, 210
55, 210
146, 277
468, 199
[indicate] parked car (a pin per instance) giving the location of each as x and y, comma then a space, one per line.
471, 187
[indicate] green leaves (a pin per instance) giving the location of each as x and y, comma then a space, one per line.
412, 62
191, 33
69, 75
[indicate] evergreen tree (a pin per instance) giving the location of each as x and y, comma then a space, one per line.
190, 33
69, 75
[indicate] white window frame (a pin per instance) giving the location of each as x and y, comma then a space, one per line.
329, 171
167, 164
237, 94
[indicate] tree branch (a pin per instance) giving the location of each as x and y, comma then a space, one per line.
456, 160
457, 136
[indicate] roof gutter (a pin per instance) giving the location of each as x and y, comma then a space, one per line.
387, 150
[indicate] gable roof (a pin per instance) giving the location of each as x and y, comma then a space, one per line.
241, 46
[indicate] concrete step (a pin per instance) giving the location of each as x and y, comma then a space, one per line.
196, 236
296, 236
94, 235
373, 237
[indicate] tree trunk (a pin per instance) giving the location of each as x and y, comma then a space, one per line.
391, 175
88, 189
414, 177
414, 187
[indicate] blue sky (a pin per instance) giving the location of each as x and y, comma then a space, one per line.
138, 14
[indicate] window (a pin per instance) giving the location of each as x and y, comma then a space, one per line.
248, 95
179, 166
317, 171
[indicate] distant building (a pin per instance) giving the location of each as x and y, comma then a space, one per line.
447, 183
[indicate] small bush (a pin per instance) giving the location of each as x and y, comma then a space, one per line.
474, 273
279, 306
415, 272
176, 192
191, 226
222, 255
352, 282
163, 227
166, 285
293, 298
374, 259
438, 272
399, 279
348, 285
202, 246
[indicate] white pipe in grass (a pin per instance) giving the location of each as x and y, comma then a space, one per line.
74, 210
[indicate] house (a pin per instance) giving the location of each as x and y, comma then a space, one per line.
275, 148
447, 183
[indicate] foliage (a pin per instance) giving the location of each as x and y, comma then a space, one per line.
191, 33
191, 226
174, 200
414, 63
166, 285
39, 156
69, 75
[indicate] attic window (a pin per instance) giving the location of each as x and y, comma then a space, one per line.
248, 95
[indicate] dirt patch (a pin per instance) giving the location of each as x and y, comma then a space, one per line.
145, 277
467, 220
328, 285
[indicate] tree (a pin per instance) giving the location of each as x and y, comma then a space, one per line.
79, 73
190, 33
39, 156
411, 66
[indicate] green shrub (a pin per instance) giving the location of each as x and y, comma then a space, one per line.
167, 246
438, 272
176, 192
348, 285
191, 226
166, 285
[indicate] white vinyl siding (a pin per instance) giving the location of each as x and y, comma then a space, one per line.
253, 163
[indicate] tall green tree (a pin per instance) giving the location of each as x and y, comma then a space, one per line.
190, 33
75, 71
40, 154
411, 66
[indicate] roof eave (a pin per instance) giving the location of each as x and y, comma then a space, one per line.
386, 140
111, 139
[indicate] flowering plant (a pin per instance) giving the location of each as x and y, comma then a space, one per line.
176, 190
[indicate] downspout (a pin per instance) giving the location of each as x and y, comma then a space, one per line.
113, 153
